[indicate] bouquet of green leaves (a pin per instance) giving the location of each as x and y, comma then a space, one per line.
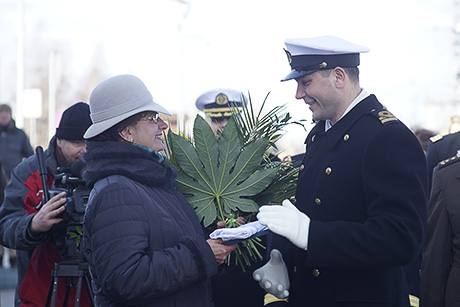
227, 177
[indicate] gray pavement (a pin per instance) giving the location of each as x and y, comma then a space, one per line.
8, 279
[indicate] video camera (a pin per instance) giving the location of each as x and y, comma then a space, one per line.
69, 180
66, 234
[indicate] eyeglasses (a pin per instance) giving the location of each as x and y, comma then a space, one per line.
154, 118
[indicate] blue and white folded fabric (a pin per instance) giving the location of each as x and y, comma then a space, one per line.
242, 232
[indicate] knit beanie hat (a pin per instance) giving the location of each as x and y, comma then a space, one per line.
74, 122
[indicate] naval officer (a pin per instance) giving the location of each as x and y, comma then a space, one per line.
217, 104
360, 207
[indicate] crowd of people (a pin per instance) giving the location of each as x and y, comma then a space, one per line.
374, 221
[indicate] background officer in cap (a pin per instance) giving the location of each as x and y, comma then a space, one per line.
31, 232
218, 103
360, 205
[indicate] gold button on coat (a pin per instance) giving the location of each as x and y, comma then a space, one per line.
346, 137
302, 167
313, 138
316, 272
318, 201
295, 269
328, 171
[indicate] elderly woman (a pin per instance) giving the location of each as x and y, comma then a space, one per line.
142, 239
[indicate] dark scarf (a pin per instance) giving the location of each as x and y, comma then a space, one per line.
103, 159
6, 127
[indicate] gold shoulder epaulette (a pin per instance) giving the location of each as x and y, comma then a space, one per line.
384, 115
436, 138
449, 161
270, 298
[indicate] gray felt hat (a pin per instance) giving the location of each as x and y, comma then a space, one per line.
116, 99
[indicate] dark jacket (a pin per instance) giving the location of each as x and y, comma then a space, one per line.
441, 253
14, 147
36, 255
245, 291
3, 182
441, 147
142, 239
363, 184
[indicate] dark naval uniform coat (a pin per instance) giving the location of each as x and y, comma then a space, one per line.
441, 253
441, 147
363, 183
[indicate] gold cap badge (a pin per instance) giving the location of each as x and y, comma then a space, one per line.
221, 99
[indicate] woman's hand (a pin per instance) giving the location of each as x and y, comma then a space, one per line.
220, 250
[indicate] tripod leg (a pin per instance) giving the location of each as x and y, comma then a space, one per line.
50, 290
55, 290
70, 285
78, 295
89, 290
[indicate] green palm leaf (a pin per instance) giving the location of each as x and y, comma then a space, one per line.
230, 175
216, 176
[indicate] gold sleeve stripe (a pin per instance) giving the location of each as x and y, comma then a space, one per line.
414, 301
270, 298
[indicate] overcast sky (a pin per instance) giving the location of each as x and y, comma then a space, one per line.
183, 48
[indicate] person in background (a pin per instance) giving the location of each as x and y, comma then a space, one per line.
141, 237
440, 148
14, 143
413, 269
14, 147
3, 181
424, 135
217, 105
350, 231
440, 280
33, 233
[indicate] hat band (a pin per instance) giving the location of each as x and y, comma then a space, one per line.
221, 112
318, 62
228, 105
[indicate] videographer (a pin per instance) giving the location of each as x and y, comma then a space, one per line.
32, 232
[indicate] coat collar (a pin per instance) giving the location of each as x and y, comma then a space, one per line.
338, 130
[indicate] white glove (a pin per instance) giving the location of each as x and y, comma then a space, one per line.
273, 276
287, 221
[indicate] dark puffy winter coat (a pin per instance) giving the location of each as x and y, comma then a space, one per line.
142, 239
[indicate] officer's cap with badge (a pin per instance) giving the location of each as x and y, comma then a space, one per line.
218, 103
307, 55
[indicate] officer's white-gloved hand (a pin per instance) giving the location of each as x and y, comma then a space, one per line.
287, 221
273, 276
